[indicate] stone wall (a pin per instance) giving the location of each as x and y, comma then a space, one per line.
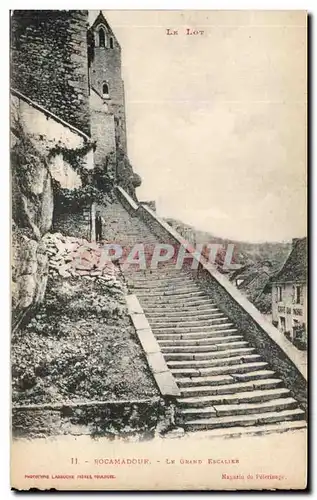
49, 61
36, 141
95, 418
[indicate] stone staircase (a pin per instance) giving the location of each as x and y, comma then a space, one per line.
224, 382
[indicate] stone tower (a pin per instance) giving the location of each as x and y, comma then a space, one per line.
108, 124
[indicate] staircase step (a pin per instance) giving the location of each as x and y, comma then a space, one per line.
146, 282
146, 277
215, 339
201, 346
186, 323
138, 276
251, 396
200, 298
227, 388
207, 359
215, 370
212, 380
175, 303
192, 350
239, 431
228, 344
254, 375
196, 336
174, 296
190, 315
167, 289
254, 419
193, 329
184, 308
238, 409
168, 272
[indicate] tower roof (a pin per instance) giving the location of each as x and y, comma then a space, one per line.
100, 19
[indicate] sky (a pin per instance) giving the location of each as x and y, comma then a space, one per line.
216, 122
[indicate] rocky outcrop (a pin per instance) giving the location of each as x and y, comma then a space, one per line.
70, 256
32, 211
29, 270
37, 140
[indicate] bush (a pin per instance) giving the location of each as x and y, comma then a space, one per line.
300, 337
74, 200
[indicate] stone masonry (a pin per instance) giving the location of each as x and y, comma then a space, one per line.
105, 68
49, 62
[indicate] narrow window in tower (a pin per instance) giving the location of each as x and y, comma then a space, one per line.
105, 91
102, 38
111, 43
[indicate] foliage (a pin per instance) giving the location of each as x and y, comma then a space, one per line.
73, 156
264, 303
125, 175
300, 337
74, 200
97, 184
102, 180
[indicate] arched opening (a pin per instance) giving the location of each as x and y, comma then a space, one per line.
105, 91
102, 38
111, 43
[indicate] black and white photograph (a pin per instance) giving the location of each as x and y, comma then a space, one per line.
159, 330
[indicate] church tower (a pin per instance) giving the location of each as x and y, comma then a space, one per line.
108, 125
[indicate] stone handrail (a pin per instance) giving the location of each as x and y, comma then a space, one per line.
163, 376
127, 202
51, 115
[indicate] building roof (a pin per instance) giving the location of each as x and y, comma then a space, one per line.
295, 267
100, 19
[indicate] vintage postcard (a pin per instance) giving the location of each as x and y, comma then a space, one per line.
159, 250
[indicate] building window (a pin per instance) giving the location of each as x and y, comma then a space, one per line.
111, 42
279, 294
298, 294
105, 91
102, 38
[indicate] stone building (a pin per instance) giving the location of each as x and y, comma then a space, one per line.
289, 294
